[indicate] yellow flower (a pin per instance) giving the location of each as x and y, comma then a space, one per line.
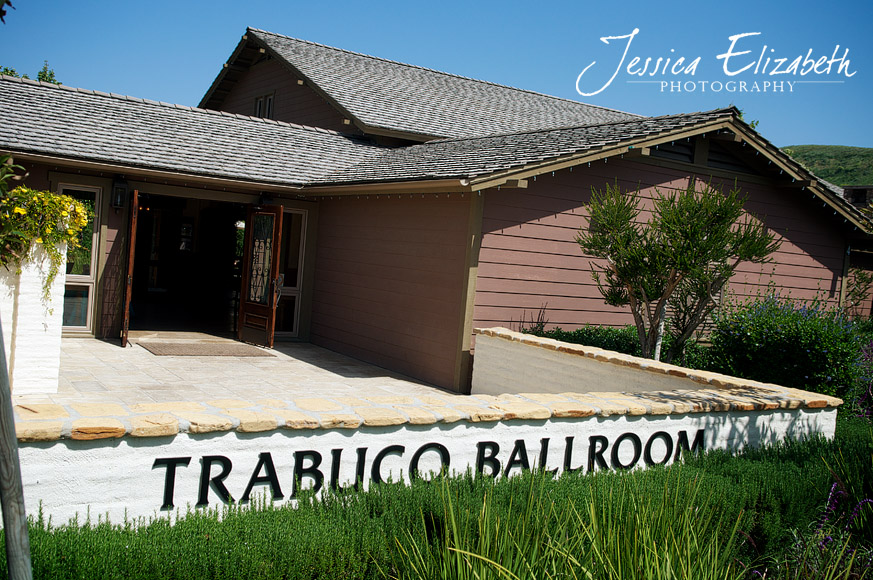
48, 230
20, 210
38, 240
64, 214
71, 232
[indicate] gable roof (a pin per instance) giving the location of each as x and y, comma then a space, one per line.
387, 97
77, 124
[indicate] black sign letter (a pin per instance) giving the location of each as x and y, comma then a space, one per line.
311, 470
490, 459
696, 445
647, 452
265, 460
439, 448
638, 449
217, 482
518, 458
597, 445
170, 480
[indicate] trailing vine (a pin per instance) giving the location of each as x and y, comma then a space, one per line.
29, 217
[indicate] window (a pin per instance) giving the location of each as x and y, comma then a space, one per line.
264, 106
82, 263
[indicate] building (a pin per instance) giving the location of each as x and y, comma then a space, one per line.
379, 209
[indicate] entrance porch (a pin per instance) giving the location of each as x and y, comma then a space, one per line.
96, 371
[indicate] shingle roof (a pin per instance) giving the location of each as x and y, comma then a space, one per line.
470, 158
390, 95
89, 125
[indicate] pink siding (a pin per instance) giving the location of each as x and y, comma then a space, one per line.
529, 258
292, 103
389, 282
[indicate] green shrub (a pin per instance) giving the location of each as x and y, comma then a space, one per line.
623, 339
796, 345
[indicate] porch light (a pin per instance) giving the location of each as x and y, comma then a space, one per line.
119, 192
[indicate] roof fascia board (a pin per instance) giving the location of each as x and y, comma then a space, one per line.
802, 178
224, 68
165, 175
620, 148
420, 186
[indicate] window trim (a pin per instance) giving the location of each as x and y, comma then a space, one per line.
90, 280
264, 105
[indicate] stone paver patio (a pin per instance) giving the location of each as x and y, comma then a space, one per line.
95, 371
108, 392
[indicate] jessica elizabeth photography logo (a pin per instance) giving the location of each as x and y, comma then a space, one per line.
764, 69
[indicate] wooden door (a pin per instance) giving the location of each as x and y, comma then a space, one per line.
128, 279
260, 275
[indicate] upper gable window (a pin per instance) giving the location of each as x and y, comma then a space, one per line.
264, 106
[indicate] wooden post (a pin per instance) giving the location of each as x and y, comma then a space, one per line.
11, 491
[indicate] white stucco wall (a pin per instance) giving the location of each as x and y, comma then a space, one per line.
31, 327
115, 477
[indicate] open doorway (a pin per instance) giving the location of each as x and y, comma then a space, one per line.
187, 265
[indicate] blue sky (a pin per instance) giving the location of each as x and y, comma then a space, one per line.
171, 51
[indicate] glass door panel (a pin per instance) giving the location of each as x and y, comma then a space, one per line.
81, 264
291, 273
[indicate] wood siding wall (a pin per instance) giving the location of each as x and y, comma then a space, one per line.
529, 258
389, 282
292, 103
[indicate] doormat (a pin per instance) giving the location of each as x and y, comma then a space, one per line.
202, 349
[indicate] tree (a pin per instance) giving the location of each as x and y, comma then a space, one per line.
45, 74
676, 263
3, 5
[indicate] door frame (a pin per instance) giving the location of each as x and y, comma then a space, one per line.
256, 322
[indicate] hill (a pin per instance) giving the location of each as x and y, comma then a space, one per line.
836, 163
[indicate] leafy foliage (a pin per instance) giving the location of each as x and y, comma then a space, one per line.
860, 283
3, 5
836, 163
794, 344
681, 259
29, 217
45, 74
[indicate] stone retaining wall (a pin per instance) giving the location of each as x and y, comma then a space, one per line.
151, 459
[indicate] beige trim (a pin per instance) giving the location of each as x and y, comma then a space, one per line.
464, 361
401, 187
621, 148
146, 187
844, 281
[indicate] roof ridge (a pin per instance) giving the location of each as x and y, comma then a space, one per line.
568, 127
145, 101
433, 70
